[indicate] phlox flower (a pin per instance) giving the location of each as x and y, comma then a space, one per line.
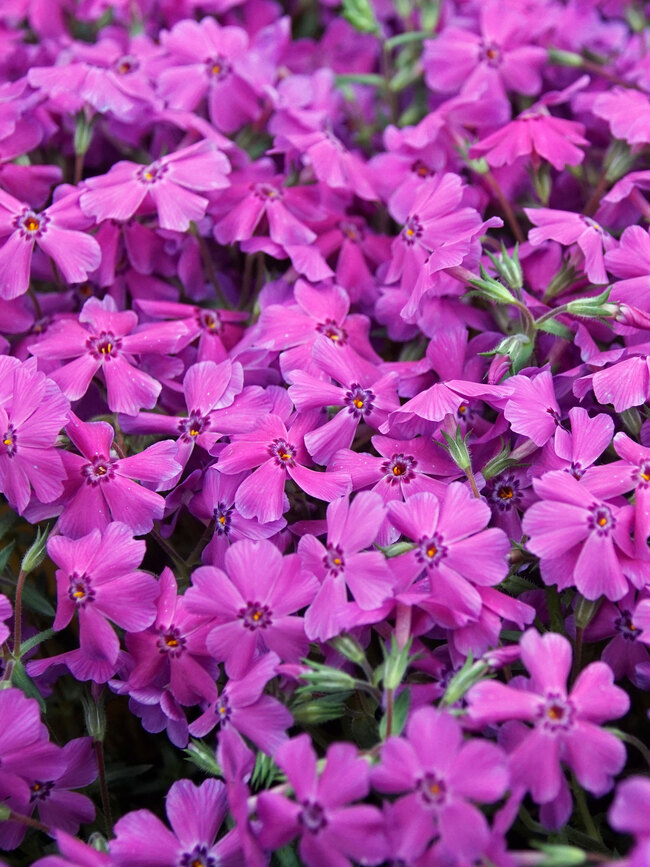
443, 774
254, 608
242, 705
107, 340
216, 502
627, 112
171, 653
32, 413
56, 230
170, 185
328, 824
453, 551
99, 487
343, 563
98, 579
74, 853
278, 454
25, 755
570, 228
532, 407
580, 539
629, 814
565, 725
195, 814
626, 383
626, 624
364, 395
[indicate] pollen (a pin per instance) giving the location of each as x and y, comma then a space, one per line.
358, 403
216, 69
337, 561
398, 470
602, 521
410, 233
172, 642
222, 519
645, 476
8, 441
32, 224
506, 493
432, 551
257, 615
555, 712
194, 432
107, 349
148, 175
79, 594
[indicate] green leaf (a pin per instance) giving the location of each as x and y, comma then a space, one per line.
36, 601
552, 326
5, 554
35, 640
7, 521
286, 857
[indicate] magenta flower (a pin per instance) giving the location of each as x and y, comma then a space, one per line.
364, 395
206, 59
278, 454
98, 578
453, 551
32, 413
627, 112
443, 774
532, 408
253, 607
565, 725
500, 54
75, 854
624, 384
344, 564
629, 813
99, 487
170, 185
576, 535
171, 653
242, 705
107, 340
569, 228
56, 230
195, 814
327, 826
627, 625
216, 502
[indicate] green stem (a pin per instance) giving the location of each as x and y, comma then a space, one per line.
103, 786
551, 314
585, 815
178, 563
18, 612
390, 696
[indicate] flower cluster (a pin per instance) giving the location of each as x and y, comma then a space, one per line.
324, 373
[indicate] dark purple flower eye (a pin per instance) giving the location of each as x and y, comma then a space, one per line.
359, 400
283, 452
80, 590
601, 520
333, 332
104, 346
312, 817
556, 714
399, 468
171, 642
255, 616
101, 469
412, 230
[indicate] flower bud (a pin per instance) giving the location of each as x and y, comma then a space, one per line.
553, 855
360, 15
396, 663
564, 58
508, 267
632, 316
203, 757
584, 611
324, 678
98, 842
35, 554
318, 710
458, 450
491, 288
95, 715
595, 307
470, 674
349, 647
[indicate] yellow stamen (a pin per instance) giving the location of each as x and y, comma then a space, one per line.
172, 642
7, 442
645, 477
32, 224
358, 403
506, 493
193, 432
602, 521
398, 471
432, 551
222, 519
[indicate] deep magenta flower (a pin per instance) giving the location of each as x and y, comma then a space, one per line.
565, 724
580, 539
344, 564
99, 487
74, 853
170, 185
32, 413
254, 604
453, 551
107, 340
327, 826
242, 705
629, 813
56, 230
443, 775
98, 578
195, 814
278, 454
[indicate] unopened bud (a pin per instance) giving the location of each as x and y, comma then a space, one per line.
618, 160
98, 842
631, 418
318, 710
584, 611
508, 267
491, 288
360, 14
349, 647
36, 552
595, 307
499, 369
83, 132
541, 176
324, 678
469, 674
203, 757
564, 58
498, 463
632, 316
396, 663
95, 717
560, 856
519, 348
458, 450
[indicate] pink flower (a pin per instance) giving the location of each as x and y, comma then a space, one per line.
55, 230
170, 185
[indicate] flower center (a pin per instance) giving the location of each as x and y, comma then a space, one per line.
103, 346
421, 169
255, 616
432, 790
80, 590
430, 550
283, 452
333, 331
40, 791
222, 710
151, 174
626, 627
267, 192
222, 519
506, 495
209, 320
644, 474
359, 401
99, 470
171, 642
198, 857
601, 520
312, 816
218, 67
554, 415
334, 560
30, 224
351, 232
126, 64
399, 468
412, 230
491, 54
556, 714
193, 426
9, 442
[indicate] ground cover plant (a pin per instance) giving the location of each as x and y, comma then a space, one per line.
325, 433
